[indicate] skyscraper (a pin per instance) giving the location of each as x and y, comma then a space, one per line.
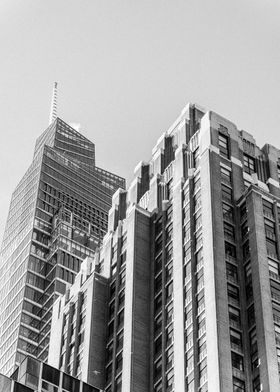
192, 259
58, 216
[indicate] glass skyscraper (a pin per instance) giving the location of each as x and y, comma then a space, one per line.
58, 216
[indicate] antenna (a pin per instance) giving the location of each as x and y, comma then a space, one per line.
53, 112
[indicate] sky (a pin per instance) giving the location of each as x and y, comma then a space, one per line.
126, 68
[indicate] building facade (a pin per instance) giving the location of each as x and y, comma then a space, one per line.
78, 332
192, 259
58, 216
35, 376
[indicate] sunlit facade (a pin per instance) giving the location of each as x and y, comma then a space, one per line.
192, 256
58, 216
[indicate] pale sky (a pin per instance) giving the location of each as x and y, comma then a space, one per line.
126, 68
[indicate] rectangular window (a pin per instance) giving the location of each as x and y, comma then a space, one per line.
229, 231
223, 145
232, 272
196, 157
251, 316
233, 293
226, 193
268, 209
230, 250
234, 315
228, 212
226, 175
237, 361
249, 164
278, 171
271, 247
235, 339
238, 385
269, 229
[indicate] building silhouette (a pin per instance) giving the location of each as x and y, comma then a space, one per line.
191, 259
58, 216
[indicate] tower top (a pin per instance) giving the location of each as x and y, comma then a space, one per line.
53, 112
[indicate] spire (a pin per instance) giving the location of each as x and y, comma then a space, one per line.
53, 112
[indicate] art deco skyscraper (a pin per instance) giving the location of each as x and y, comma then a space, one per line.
191, 258
58, 216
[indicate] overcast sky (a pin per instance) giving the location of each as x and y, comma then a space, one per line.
126, 68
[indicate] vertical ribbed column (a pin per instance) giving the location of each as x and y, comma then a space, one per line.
136, 348
179, 345
268, 367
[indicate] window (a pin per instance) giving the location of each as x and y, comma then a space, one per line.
251, 315
233, 293
269, 229
243, 211
158, 387
248, 272
225, 175
169, 291
257, 384
169, 357
169, 272
118, 385
237, 361
200, 299
268, 209
249, 291
158, 303
235, 339
223, 145
158, 264
121, 298
70, 383
157, 369
271, 247
227, 212
169, 313
119, 362
238, 385
50, 374
244, 230
109, 370
253, 340
249, 164
196, 157
234, 315
169, 380
168, 233
158, 283
158, 346
158, 324
121, 318
231, 272
109, 352
120, 340
169, 335
226, 193
230, 250
246, 250
197, 200
229, 231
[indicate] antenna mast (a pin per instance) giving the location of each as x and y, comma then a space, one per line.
53, 112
